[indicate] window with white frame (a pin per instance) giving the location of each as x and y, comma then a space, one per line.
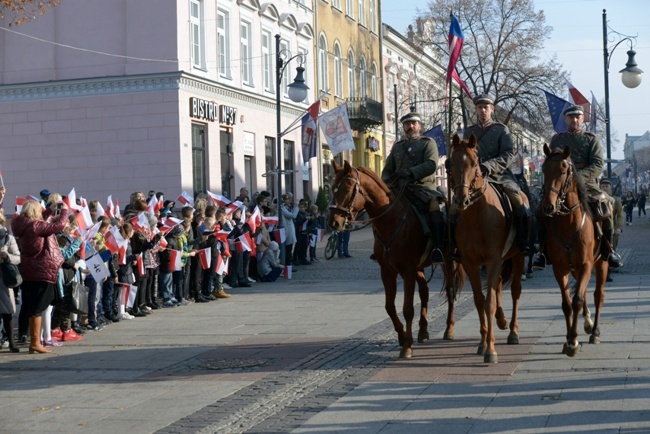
362, 12
267, 61
197, 46
363, 83
322, 63
336, 4
373, 84
246, 53
351, 81
349, 8
338, 73
223, 43
373, 18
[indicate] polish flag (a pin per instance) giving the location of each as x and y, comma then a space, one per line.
185, 199
100, 210
270, 220
83, 201
287, 272
175, 260
92, 231
169, 224
111, 242
279, 235
152, 206
255, 220
140, 265
222, 265
82, 250
161, 204
140, 222
205, 257
124, 293
122, 255
578, 99
117, 208
71, 200
244, 242
163, 242
85, 214
320, 234
218, 199
223, 237
81, 221
110, 208
233, 207
19, 204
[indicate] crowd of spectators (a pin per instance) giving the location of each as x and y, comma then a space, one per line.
155, 255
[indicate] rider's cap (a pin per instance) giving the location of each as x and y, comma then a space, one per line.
411, 117
605, 181
573, 110
483, 98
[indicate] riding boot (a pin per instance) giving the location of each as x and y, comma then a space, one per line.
606, 249
521, 228
438, 240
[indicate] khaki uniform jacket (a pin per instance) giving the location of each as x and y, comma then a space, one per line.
586, 154
495, 150
419, 156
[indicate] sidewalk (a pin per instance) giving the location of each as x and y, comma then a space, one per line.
318, 354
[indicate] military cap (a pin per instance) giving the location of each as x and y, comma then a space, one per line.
483, 98
411, 117
573, 110
605, 181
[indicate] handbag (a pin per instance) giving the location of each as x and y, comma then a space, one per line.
10, 274
76, 297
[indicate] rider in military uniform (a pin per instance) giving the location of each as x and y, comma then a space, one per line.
587, 157
496, 153
413, 160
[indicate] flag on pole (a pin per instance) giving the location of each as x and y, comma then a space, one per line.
117, 208
232, 207
309, 131
218, 199
255, 220
222, 265
140, 261
287, 272
110, 208
112, 241
456, 38
246, 243
169, 224
163, 242
578, 99
152, 206
175, 263
205, 257
556, 106
335, 125
100, 210
71, 200
279, 235
270, 220
593, 114
81, 222
19, 204
436, 134
185, 199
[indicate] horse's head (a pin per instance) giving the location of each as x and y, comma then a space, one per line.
465, 172
346, 200
557, 169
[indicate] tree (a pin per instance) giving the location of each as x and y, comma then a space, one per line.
500, 54
16, 12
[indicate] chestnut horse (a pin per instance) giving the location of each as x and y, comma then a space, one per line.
485, 237
400, 247
571, 243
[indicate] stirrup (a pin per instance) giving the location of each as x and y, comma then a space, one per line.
614, 260
436, 256
540, 262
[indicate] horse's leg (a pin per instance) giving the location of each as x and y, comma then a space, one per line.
389, 279
599, 298
515, 292
474, 277
588, 323
500, 315
582, 281
491, 302
423, 290
561, 273
450, 290
408, 311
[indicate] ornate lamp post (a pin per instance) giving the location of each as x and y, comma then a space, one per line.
631, 76
297, 92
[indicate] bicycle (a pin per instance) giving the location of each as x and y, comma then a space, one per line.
332, 245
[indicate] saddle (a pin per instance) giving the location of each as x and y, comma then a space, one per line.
601, 208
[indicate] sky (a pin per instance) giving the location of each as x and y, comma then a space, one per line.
577, 43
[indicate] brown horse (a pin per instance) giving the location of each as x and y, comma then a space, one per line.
485, 237
571, 243
400, 247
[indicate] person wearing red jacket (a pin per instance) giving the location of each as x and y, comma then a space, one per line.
40, 260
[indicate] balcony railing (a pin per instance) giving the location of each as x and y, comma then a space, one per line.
364, 113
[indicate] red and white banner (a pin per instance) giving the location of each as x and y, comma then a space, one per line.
140, 222
185, 199
270, 220
279, 235
110, 208
117, 208
205, 257
222, 265
218, 199
71, 200
111, 242
127, 294
233, 207
19, 204
152, 205
141, 270
169, 224
175, 260
163, 242
287, 272
244, 243
255, 220
122, 255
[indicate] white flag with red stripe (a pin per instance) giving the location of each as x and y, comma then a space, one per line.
140, 261
175, 260
169, 224
320, 235
122, 255
185, 199
233, 207
279, 235
110, 208
222, 265
270, 220
111, 242
287, 272
152, 205
244, 243
255, 220
117, 208
100, 210
85, 213
19, 204
205, 256
140, 222
163, 242
218, 199
71, 200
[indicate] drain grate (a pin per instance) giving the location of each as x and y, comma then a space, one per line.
222, 365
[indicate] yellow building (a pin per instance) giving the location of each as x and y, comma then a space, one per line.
347, 55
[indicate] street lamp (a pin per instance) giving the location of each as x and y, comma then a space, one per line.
297, 92
631, 77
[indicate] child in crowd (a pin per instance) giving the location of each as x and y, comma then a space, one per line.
313, 226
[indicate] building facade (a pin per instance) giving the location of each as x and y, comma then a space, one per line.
113, 97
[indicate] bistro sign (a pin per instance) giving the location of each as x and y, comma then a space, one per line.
211, 111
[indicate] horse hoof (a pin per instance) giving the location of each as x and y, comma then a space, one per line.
423, 337
594, 339
406, 353
481, 349
589, 326
449, 336
571, 351
513, 339
490, 358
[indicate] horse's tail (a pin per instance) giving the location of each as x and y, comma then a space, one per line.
506, 273
454, 279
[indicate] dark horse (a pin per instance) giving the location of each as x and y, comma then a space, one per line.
570, 241
400, 247
485, 237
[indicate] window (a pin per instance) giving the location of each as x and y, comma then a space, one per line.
338, 74
362, 12
349, 8
336, 4
227, 177
373, 18
198, 158
246, 53
373, 85
197, 46
267, 60
363, 83
322, 63
351, 81
223, 43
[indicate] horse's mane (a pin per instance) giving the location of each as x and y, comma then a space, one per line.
375, 178
583, 195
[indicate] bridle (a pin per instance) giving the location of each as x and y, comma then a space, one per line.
474, 193
560, 203
347, 210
